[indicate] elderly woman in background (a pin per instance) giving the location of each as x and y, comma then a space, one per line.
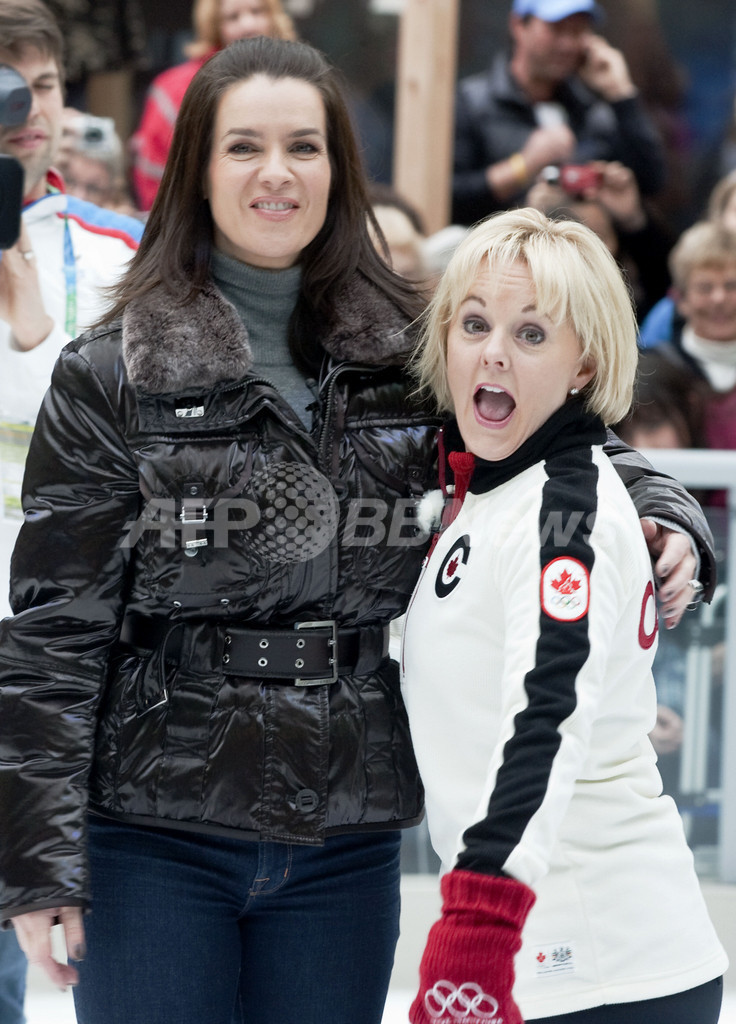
527, 661
91, 161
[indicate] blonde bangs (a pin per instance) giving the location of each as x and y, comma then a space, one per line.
576, 280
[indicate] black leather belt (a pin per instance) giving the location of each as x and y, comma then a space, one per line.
309, 654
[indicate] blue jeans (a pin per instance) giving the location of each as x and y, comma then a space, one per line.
13, 968
197, 929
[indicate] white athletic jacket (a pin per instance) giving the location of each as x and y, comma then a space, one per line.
527, 677
79, 250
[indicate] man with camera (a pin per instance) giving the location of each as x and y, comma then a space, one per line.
51, 286
51, 279
563, 97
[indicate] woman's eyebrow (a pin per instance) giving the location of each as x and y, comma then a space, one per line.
296, 134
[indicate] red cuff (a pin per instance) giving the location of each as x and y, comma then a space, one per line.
467, 971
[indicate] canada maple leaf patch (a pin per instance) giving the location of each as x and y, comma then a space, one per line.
566, 584
565, 589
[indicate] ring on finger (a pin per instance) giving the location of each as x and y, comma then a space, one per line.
697, 593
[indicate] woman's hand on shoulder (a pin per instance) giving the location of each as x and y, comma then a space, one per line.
34, 935
674, 566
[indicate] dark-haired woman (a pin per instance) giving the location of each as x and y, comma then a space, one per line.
204, 740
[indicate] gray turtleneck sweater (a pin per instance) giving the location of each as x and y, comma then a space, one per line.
265, 300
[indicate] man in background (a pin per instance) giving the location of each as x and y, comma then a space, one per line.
51, 288
564, 96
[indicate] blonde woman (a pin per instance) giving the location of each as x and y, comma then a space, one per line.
527, 658
216, 24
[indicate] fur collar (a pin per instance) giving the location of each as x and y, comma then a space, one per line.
169, 347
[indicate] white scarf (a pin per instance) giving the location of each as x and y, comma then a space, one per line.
717, 359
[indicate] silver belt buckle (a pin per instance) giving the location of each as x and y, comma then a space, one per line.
332, 642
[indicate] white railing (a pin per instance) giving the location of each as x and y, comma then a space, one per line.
699, 468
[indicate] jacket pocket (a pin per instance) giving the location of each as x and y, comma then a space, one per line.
192, 543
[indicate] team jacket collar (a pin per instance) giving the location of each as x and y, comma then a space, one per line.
570, 427
55, 200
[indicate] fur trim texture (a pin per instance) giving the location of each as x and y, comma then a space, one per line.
369, 329
169, 347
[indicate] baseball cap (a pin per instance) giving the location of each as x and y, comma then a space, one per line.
556, 10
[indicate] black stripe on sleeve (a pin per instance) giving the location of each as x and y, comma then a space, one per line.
562, 649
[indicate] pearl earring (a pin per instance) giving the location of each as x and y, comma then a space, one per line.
574, 391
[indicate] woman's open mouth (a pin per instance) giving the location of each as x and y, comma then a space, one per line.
493, 405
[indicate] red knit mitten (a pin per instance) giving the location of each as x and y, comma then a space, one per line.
467, 971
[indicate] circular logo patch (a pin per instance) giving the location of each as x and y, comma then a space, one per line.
565, 589
451, 571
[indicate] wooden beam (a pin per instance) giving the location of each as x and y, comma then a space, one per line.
423, 138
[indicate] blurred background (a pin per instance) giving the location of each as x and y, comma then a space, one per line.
682, 57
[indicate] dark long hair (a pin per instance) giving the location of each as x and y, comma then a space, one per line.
177, 242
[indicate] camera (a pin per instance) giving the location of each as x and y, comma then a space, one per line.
93, 136
15, 104
15, 96
573, 178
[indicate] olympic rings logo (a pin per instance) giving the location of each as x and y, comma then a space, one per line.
565, 601
468, 1002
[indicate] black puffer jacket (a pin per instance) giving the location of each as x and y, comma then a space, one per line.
115, 691
140, 425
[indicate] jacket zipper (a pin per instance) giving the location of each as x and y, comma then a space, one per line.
332, 382
274, 406
329, 401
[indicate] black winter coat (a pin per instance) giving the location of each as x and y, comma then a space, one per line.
145, 429
163, 418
